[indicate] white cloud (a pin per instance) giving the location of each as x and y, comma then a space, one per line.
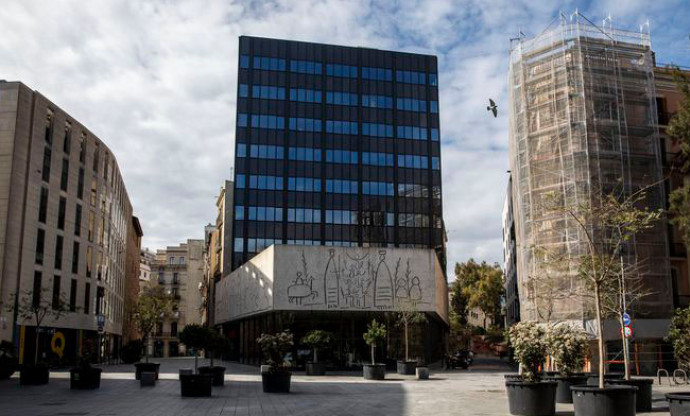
157, 82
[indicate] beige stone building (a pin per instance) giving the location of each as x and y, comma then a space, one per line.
64, 220
180, 270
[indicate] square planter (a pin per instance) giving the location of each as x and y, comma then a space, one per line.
276, 382
85, 378
407, 368
34, 375
147, 378
217, 372
316, 369
374, 371
149, 367
422, 373
196, 385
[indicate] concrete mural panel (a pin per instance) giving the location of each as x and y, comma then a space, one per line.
333, 279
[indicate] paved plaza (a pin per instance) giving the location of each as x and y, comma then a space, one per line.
477, 391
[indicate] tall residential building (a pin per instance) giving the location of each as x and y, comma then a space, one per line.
583, 122
180, 270
335, 146
132, 274
147, 258
337, 164
668, 100
64, 220
510, 279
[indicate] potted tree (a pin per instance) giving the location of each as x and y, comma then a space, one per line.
151, 308
407, 314
276, 376
132, 352
35, 308
567, 346
375, 333
679, 337
317, 339
608, 226
195, 337
530, 396
8, 362
216, 344
84, 376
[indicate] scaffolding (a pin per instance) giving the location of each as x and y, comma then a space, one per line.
582, 122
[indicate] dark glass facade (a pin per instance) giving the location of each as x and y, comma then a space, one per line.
335, 146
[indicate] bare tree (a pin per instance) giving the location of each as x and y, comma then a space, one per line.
608, 224
35, 307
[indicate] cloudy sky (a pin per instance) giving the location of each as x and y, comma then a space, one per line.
156, 80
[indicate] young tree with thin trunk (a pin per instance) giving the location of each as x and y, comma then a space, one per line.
37, 307
407, 314
153, 305
608, 225
375, 333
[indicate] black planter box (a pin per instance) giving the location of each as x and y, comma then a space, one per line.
217, 372
531, 399
8, 365
34, 375
196, 385
679, 403
276, 382
85, 378
563, 393
316, 369
512, 377
374, 371
148, 367
407, 368
643, 398
611, 400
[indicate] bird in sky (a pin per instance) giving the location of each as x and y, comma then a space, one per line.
492, 107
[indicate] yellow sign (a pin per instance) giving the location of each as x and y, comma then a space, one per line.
58, 348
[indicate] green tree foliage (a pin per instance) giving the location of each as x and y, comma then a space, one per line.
679, 337
407, 314
375, 332
679, 129
477, 285
529, 341
568, 347
679, 125
196, 337
316, 340
274, 348
151, 308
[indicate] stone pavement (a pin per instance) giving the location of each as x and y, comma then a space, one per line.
477, 391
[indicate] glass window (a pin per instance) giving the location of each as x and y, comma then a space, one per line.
435, 163
304, 184
340, 186
244, 90
374, 129
341, 98
305, 215
268, 122
244, 61
75, 258
433, 106
64, 177
242, 120
59, 242
410, 104
40, 244
341, 156
268, 92
80, 184
62, 208
266, 152
434, 135
433, 79
377, 159
412, 132
238, 246
345, 71
305, 95
378, 188
241, 150
306, 154
377, 101
47, 154
239, 212
43, 206
272, 64
270, 183
378, 74
305, 124
56, 292
305, 67
341, 127
410, 77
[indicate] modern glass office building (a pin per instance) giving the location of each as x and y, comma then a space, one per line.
335, 146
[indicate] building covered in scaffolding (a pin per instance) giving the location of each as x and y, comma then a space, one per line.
583, 124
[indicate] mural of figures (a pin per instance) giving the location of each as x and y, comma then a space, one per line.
383, 285
331, 280
302, 288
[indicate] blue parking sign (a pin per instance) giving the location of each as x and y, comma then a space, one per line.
626, 319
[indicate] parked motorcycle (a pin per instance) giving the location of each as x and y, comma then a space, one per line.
460, 359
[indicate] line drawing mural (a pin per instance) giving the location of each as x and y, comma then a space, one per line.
355, 280
302, 287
